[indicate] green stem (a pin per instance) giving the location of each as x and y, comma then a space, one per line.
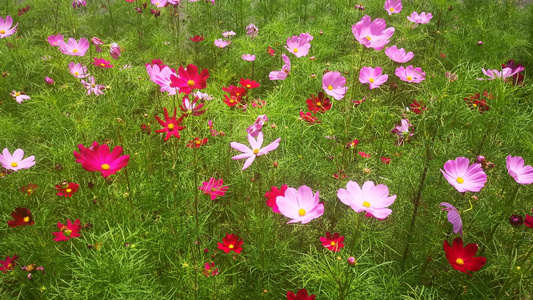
356, 233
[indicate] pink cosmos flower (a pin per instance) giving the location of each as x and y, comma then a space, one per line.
521, 174
53, 39
5, 31
71, 230
453, 217
192, 108
189, 79
255, 150
72, 47
248, 57
203, 96
220, 43
411, 74
214, 188
257, 125
370, 198
92, 87
114, 50
504, 74
285, 70
402, 130
226, 34
160, 75
463, 177
48, 80
300, 206
299, 45
78, 3
363, 154
398, 55
78, 70
159, 3
102, 63
423, 18
393, 6
333, 84
252, 30
98, 158
97, 43
372, 76
372, 34
19, 96
15, 162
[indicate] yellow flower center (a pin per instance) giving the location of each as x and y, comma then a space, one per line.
248, 86
391, 9
29, 191
75, 51
26, 219
2, 31
319, 104
14, 164
93, 85
301, 212
460, 261
460, 180
474, 105
170, 126
198, 142
68, 190
157, 3
295, 50
366, 204
17, 94
330, 87
67, 232
190, 83
409, 78
256, 151
231, 246
332, 243
102, 64
76, 73
368, 38
371, 80
105, 167
231, 101
10, 265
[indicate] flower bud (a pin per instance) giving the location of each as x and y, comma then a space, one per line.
114, 50
351, 261
480, 43
49, 80
516, 220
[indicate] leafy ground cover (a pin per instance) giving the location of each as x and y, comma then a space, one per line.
266, 149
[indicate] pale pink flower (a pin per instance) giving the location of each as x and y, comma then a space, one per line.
15, 162
423, 18
78, 3
371, 198
53, 39
333, 84
372, 76
410, 74
114, 50
255, 150
504, 74
257, 125
19, 96
5, 30
159, 3
73, 47
203, 96
252, 30
248, 57
285, 70
403, 129
372, 34
393, 6
398, 55
226, 34
299, 45
220, 43
300, 206
463, 177
453, 217
161, 76
78, 70
97, 43
521, 174
92, 87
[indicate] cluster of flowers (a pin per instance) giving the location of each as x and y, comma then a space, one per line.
478, 102
236, 97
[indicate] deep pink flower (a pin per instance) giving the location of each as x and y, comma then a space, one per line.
21, 217
462, 258
363, 154
453, 217
171, 125
255, 128
100, 62
114, 50
423, 18
97, 43
300, 295
15, 162
372, 34
54, 39
308, 117
332, 243
529, 220
100, 159
252, 30
192, 108
272, 195
299, 45
5, 30
71, 230
371, 198
48, 80
463, 177
393, 6
333, 84
8, 264
214, 188
410, 74
229, 243
300, 206
78, 3
255, 150
398, 55
210, 269
189, 79
285, 70
78, 70
72, 47
521, 174
372, 76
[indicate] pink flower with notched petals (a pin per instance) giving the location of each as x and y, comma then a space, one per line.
398, 55
15, 162
410, 74
257, 125
248, 57
227, 34
78, 70
71, 230
453, 217
160, 75
300, 206
463, 177
371, 198
92, 87
423, 18
100, 159
159, 3
333, 84
189, 79
214, 188
220, 43
285, 70
372, 76
255, 150
299, 45
393, 6
521, 174
19, 96
73, 47
54, 39
5, 30
372, 34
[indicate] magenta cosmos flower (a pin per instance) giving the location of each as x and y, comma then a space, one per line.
372, 34
453, 217
333, 84
300, 206
220, 43
299, 45
78, 70
373, 199
393, 6
372, 76
214, 188
102, 63
256, 127
114, 51
398, 55
189, 79
285, 70
521, 174
15, 162
71, 230
463, 177
410, 74
98, 158
5, 30
248, 57
423, 18
72, 47
255, 150
53, 39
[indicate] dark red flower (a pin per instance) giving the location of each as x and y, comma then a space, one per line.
417, 107
235, 91
271, 196
189, 79
171, 126
332, 243
249, 84
301, 295
271, 51
8, 264
4, 172
318, 104
197, 38
231, 242
146, 129
476, 102
29, 189
385, 160
71, 230
516, 220
529, 220
197, 142
462, 258
21, 217
67, 189
308, 118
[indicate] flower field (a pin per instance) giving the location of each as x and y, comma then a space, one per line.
266, 149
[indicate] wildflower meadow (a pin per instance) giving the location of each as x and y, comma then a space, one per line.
266, 149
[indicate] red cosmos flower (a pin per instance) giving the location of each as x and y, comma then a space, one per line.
352, 144
271, 196
385, 160
364, 155
332, 243
21, 217
235, 91
271, 51
98, 158
417, 107
71, 230
100, 62
308, 118
197, 142
67, 189
249, 84
197, 38
189, 79
301, 295
462, 259
210, 269
193, 108
529, 220
8, 264
230, 243
214, 188
171, 126
29, 189
4, 172
318, 104
476, 102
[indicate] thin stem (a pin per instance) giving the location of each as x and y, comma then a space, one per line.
356, 233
